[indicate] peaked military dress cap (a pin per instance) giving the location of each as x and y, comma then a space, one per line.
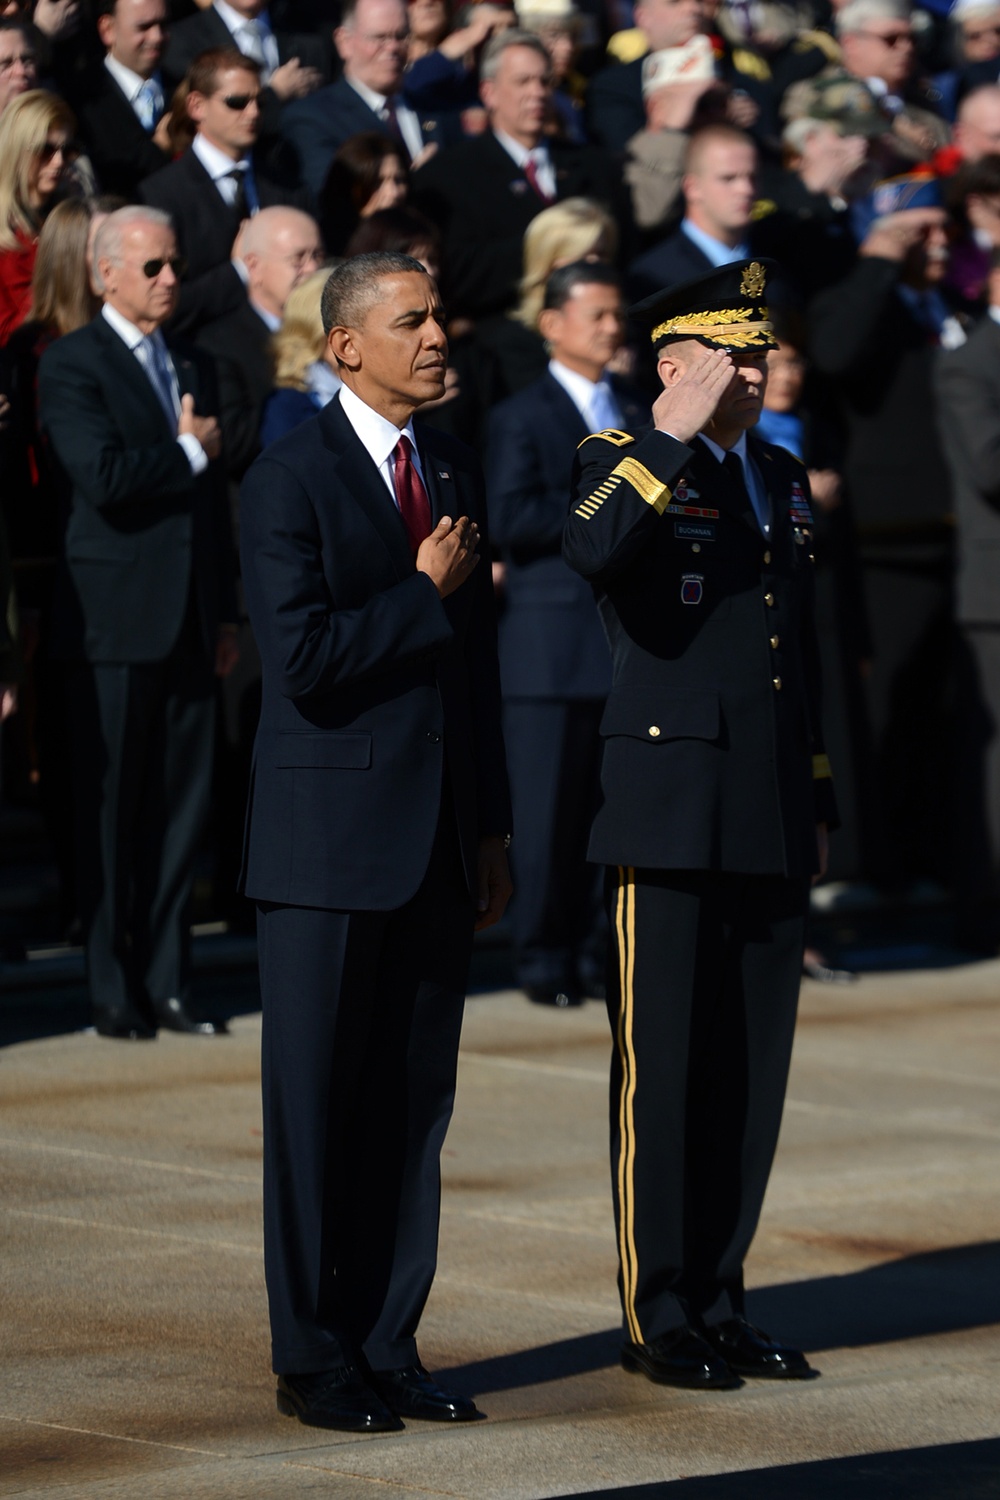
725, 308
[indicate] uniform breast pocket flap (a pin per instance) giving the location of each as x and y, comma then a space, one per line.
332, 752
658, 718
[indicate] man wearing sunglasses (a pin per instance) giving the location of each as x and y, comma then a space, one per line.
877, 41
216, 185
145, 612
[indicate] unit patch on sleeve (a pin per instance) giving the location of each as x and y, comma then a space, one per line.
692, 587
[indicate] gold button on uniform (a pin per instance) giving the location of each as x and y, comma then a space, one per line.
774, 643
767, 558
654, 730
769, 599
777, 684
695, 546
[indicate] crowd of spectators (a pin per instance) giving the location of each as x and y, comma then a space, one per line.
857, 144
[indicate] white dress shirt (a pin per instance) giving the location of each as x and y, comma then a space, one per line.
595, 401
406, 119
254, 38
379, 437
137, 343
754, 483
520, 156
131, 84
218, 166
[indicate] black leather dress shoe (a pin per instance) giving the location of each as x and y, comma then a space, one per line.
412, 1393
562, 997
340, 1399
173, 1015
124, 1028
683, 1358
748, 1351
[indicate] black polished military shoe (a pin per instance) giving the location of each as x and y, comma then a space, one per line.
748, 1351
411, 1392
681, 1357
125, 1027
339, 1398
562, 997
173, 1015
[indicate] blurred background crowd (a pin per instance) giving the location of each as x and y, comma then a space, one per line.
549, 163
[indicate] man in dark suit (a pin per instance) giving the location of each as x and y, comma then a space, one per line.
485, 192
371, 41
120, 103
877, 334
555, 668
146, 607
292, 65
719, 190
376, 830
968, 386
215, 186
717, 795
279, 248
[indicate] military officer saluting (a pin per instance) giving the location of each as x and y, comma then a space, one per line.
716, 802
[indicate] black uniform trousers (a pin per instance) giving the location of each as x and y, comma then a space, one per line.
703, 983
554, 764
143, 763
362, 1013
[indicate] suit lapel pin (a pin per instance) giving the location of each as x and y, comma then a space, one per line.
443, 474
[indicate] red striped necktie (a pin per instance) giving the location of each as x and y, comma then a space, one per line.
411, 497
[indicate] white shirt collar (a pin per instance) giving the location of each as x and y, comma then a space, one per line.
713, 249
323, 382
375, 102
520, 154
216, 163
995, 314
739, 448
130, 335
378, 435
578, 388
235, 22
267, 318
130, 83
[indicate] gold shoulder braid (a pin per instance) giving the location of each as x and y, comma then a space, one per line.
610, 435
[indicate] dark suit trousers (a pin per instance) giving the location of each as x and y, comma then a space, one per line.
144, 763
554, 762
362, 1013
703, 983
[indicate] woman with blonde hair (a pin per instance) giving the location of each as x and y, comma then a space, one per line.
304, 375
509, 350
36, 134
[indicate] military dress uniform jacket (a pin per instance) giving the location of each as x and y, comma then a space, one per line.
713, 756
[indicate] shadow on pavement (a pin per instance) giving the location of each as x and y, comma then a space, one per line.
940, 1291
953, 1471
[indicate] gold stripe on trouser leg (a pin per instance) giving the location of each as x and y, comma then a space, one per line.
625, 934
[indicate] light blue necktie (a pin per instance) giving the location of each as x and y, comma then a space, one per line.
156, 363
149, 105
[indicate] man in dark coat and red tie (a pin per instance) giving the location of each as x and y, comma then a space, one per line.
376, 835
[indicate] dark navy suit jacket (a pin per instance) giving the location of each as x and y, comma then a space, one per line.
316, 127
143, 531
371, 682
552, 643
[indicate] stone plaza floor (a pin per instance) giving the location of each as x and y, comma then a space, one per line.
132, 1315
